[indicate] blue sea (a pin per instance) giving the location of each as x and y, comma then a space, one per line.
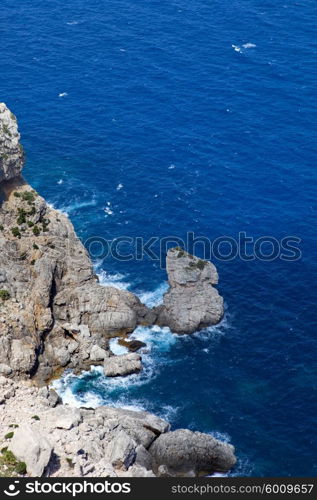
154, 118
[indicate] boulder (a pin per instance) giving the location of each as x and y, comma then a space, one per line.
64, 417
29, 446
183, 451
125, 364
138, 471
192, 302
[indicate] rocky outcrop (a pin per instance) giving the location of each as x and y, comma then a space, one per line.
31, 447
187, 453
11, 152
58, 440
122, 365
192, 302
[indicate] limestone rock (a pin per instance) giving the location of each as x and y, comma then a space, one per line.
125, 364
98, 354
11, 152
64, 417
120, 451
32, 448
192, 302
141, 426
183, 451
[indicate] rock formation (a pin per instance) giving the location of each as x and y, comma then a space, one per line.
187, 453
54, 314
124, 364
11, 152
192, 302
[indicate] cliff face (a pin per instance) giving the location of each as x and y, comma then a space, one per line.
11, 152
52, 309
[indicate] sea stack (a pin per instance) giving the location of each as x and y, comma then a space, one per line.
192, 302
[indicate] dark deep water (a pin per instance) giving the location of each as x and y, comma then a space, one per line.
154, 118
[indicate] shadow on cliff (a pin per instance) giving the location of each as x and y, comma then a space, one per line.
6, 187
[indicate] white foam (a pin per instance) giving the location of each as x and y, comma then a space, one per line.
116, 348
62, 94
236, 48
67, 209
60, 181
155, 337
115, 280
155, 297
171, 167
119, 187
249, 45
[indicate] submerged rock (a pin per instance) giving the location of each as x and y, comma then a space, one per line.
132, 345
192, 302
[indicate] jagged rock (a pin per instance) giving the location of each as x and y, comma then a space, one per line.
125, 364
120, 451
141, 426
138, 471
50, 396
183, 451
192, 302
32, 448
11, 152
98, 354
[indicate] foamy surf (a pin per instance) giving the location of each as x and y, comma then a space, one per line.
115, 280
155, 297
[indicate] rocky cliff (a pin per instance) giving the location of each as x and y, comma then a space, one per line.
52, 309
54, 314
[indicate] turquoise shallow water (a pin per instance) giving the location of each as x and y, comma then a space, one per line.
156, 118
